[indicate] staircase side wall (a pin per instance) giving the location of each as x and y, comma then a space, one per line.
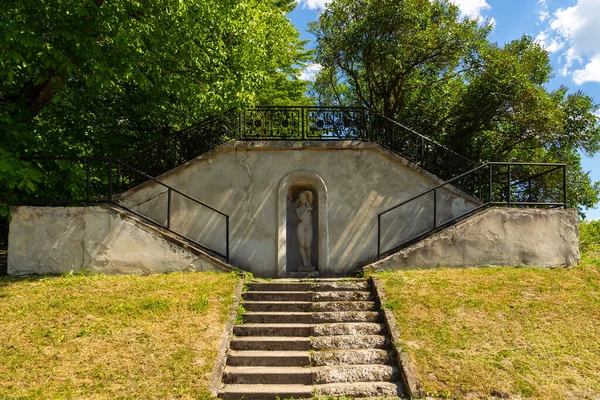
496, 237
242, 179
58, 240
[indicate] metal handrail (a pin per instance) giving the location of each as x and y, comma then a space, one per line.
484, 204
425, 138
110, 200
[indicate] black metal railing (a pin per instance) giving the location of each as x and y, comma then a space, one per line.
3, 234
506, 184
343, 123
84, 181
297, 123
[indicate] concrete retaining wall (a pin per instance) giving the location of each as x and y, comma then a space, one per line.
496, 237
246, 180
58, 240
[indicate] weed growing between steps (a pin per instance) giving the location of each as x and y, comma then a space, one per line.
111, 336
493, 332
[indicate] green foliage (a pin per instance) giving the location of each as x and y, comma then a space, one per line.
97, 78
240, 316
382, 49
589, 236
417, 61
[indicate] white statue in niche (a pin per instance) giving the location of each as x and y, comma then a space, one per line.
305, 226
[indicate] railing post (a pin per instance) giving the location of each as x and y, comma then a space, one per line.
508, 190
490, 182
227, 238
480, 196
422, 150
119, 180
378, 236
87, 196
110, 180
169, 208
302, 129
434, 208
565, 186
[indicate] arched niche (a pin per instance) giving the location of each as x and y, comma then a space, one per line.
289, 188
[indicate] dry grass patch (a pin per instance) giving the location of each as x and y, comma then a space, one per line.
111, 337
499, 332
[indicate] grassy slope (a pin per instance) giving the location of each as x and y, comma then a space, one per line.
111, 337
492, 332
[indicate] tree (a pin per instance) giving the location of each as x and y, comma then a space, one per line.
385, 49
418, 62
98, 78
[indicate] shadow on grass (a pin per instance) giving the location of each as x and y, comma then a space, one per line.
6, 280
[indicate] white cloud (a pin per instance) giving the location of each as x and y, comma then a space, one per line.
552, 44
574, 33
590, 73
314, 4
472, 8
544, 14
310, 72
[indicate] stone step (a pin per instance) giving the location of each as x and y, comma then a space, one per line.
350, 357
354, 373
346, 316
278, 317
266, 392
349, 342
357, 295
274, 343
361, 389
307, 306
277, 296
315, 286
268, 358
289, 306
279, 375
267, 375
279, 286
273, 330
311, 318
363, 305
342, 295
348, 328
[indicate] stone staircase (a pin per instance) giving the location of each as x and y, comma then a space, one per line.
302, 338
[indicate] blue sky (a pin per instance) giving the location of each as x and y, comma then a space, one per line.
569, 29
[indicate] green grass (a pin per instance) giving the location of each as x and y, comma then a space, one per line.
492, 332
111, 337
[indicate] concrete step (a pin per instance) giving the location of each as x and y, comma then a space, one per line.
349, 342
354, 295
350, 357
274, 343
312, 286
361, 389
278, 317
343, 306
345, 316
268, 358
349, 328
278, 306
266, 392
267, 375
294, 286
307, 306
355, 373
273, 330
277, 296
311, 318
